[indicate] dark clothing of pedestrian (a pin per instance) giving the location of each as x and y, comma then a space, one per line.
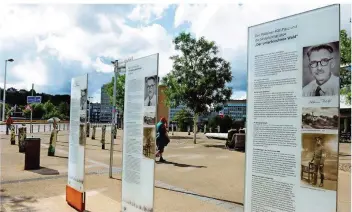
9, 122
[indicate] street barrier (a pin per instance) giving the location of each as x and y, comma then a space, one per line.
103, 137
32, 154
93, 133
88, 129
22, 135
13, 136
52, 143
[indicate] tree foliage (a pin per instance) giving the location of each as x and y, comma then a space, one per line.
225, 123
199, 77
183, 118
120, 91
345, 74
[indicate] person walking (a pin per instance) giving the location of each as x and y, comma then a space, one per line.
9, 123
162, 138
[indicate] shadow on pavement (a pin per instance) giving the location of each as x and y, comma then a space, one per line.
17, 203
65, 157
179, 137
179, 164
344, 155
199, 195
45, 171
221, 146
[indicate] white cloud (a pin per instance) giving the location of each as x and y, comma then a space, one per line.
239, 95
31, 71
99, 66
96, 96
20, 23
147, 13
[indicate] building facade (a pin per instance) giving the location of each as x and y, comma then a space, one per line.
105, 106
94, 112
163, 110
174, 111
236, 109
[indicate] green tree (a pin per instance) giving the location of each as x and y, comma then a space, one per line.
198, 78
38, 111
225, 123
183, 119
120, 91
49, 107
27, 113
345, 74
64, 110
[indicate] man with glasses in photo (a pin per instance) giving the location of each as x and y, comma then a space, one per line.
321, 64
150, 100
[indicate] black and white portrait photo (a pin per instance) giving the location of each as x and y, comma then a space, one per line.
321, 65
83, 101
150, 91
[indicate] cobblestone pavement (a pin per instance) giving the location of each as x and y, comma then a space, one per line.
196, 177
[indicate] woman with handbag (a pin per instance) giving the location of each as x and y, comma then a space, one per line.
162, 138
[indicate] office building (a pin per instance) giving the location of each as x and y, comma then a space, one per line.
105, 106
174, 111
95, 112
236, 109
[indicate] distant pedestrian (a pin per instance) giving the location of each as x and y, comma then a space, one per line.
162, 138
9, 123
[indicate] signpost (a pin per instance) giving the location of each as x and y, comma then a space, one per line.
31, 100
293, 81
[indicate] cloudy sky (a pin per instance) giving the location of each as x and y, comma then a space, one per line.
53, 43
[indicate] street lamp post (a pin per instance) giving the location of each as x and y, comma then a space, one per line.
117, 68
4, 95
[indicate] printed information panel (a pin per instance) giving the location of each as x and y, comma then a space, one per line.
77, 138
293, 113
139, 134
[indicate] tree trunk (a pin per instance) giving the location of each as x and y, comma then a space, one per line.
195, 128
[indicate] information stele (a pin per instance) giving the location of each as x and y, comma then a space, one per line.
75, 189
292, 125
139, 135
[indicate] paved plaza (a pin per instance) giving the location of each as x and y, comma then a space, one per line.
198, 178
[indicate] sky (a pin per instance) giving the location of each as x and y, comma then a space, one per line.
51, 44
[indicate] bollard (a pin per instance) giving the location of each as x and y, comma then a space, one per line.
189, 130
205, 128
218, 128
16, 129
87, 130
44, 127
59, 127
22, 135
103, 137
38, 128
93, 133
49, 127
172, 128
52, 144
32, 129
115, 131
13, 136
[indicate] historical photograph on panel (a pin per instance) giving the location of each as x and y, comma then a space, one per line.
319, 161
320, 118
83, 101
149, 119
321, 65
149, 142
150, 91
